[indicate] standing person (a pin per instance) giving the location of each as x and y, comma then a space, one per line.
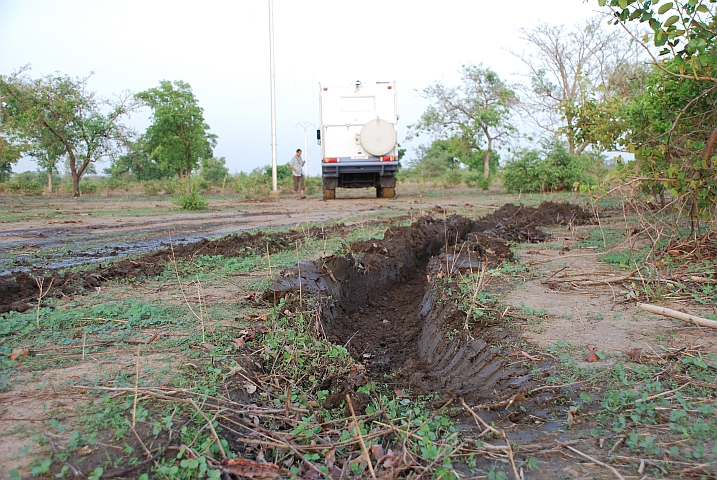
296, 163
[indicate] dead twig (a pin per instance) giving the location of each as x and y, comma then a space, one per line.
596, 462
210, 425
510, 456
360, 438
478, 419
75, 471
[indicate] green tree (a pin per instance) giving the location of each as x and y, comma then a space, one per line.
138, 162
283, 172
434, 160
178, 137
672, 126
474, 114
214, 170
57, 113
9, 155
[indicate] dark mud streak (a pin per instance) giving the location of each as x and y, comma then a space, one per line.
18, 291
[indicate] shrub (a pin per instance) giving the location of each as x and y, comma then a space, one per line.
87, 187
254, 184
192, 200
214, 170
27, 187
152, 189
551, 168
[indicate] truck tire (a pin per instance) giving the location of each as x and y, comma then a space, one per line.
329, 193
385, 192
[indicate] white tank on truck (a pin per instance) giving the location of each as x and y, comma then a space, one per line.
358, 137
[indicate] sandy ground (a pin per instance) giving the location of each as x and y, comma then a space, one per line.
561, 312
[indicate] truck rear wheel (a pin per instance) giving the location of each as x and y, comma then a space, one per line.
329, 193
385, 192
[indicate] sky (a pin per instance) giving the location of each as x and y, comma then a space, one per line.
221, 48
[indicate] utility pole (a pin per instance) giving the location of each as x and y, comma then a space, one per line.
305, 125
275, 188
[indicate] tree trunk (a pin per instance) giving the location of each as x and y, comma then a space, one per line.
486, 159
75, 176
75, 185
49, 181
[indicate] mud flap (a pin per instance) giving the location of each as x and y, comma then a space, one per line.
330, 183
386, 182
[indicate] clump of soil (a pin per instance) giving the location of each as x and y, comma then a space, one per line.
518, 223
383, 302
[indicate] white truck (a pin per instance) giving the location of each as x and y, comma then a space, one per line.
358, 138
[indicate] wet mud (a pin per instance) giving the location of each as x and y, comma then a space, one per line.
387, 303
19, 291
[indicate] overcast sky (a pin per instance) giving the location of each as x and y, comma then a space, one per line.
221, 48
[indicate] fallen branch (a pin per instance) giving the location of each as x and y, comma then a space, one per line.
685, 317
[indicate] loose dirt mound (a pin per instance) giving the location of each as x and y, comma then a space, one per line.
386, 305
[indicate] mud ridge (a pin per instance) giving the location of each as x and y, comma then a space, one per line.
384, 302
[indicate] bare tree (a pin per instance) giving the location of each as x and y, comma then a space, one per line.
569, 68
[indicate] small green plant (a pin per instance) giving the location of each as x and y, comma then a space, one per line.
192, 200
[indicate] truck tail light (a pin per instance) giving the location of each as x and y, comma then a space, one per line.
331, 160
388, 159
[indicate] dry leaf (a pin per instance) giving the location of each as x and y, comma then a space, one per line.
249, 387
635, 354
249, 335
264, 317
573, 416
354, 371
592, 355
86, 450
208, 346
377, 452
18, 352
238, 343
399, 393
330, 457
76, 335
240, 468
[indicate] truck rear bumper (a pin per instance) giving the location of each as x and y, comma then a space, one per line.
381, 168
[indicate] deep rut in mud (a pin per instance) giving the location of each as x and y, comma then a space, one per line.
386, 304
386, 329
